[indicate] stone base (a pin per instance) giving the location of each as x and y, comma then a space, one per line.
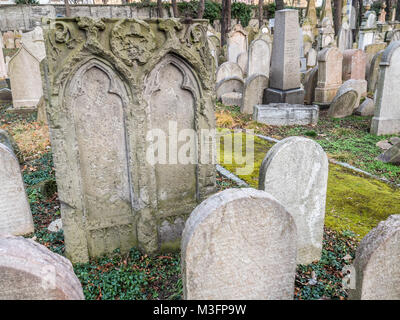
284, 114
293, 96
324, 96
381, 126
21, 110
231, 99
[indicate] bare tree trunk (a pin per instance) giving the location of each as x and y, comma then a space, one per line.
337, 18
225, 20
200, 10
159, 9
67, 8
174, 8
280, 5
260, 13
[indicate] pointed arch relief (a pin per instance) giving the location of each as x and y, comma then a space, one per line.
172, 93
96, 102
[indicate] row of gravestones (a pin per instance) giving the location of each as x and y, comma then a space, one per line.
237, 244
246, 243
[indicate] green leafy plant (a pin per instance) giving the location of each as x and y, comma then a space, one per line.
242, 12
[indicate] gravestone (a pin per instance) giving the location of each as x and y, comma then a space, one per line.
391, 155
34, 42
284, 80
359, 85
8, 140
230, 84
25, 79
242, 61
367, 108
374, 71
259, 58
285, 114
228, 69
344, 103
311, 15
231, 99
345, 37
371, 50
253, 92
326, 11
312, 58
329, 75
310, 83
295, 172
354, 65
3, 67
30, 271
15, 213
367, 30
377, 263
236, 43
326, 34
386, 119
239, 244
126, 86
8, 40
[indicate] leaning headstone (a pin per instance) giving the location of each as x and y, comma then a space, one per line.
7, 140
228, 69
387, 109
239, 244
253, 92
376, 266
344, 103
284, 78
15, 213
242, 61
285, 114
391, 155
374, 71
30, 271
295, 172
367, 108
227, 85
329, 75
259, 58
237, 42
25, 78
113, 80
359, 85
310, 83
354, 65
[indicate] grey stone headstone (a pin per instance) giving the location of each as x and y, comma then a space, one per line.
344, 103
253, 92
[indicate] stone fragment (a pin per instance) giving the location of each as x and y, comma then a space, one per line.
367, 108
231, 99
384, 144
55, 226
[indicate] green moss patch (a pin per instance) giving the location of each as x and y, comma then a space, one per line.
355, 202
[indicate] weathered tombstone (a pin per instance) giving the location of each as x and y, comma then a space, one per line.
8, 40
310, 83
3, 68
367, 108
242, 61
259, 58
329, 75
295, 172
30, 271
354, 65
228, 69
34, 42
345, 37
128, 87
374, 71
326, 11
239, 244
371, 50
227, 85
253, 92
344, 103
25, 79
311, 15
359, 85
386, 119
376, 266
326, 34
312, 58
368, 29
15, 213
231, 99
391, 155
7, 140
237, 42
284, 81
285, 114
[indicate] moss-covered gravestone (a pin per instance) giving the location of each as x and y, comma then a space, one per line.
113, 84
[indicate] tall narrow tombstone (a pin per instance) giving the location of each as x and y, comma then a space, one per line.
327, 34
386, 119
3, 68
25, 79
237, 42
239, 244
259, 58
310, 83
295, 172
284, 84
345, 37
329, 75
114, 104
253, 92
242, 61
327, 11
15, 213
30, 271
376, 267
311, 14
374, 71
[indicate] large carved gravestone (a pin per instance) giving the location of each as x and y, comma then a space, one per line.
237, 42
239, 244
295, 172
119, 89
15, 214
386, 119
259, 58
